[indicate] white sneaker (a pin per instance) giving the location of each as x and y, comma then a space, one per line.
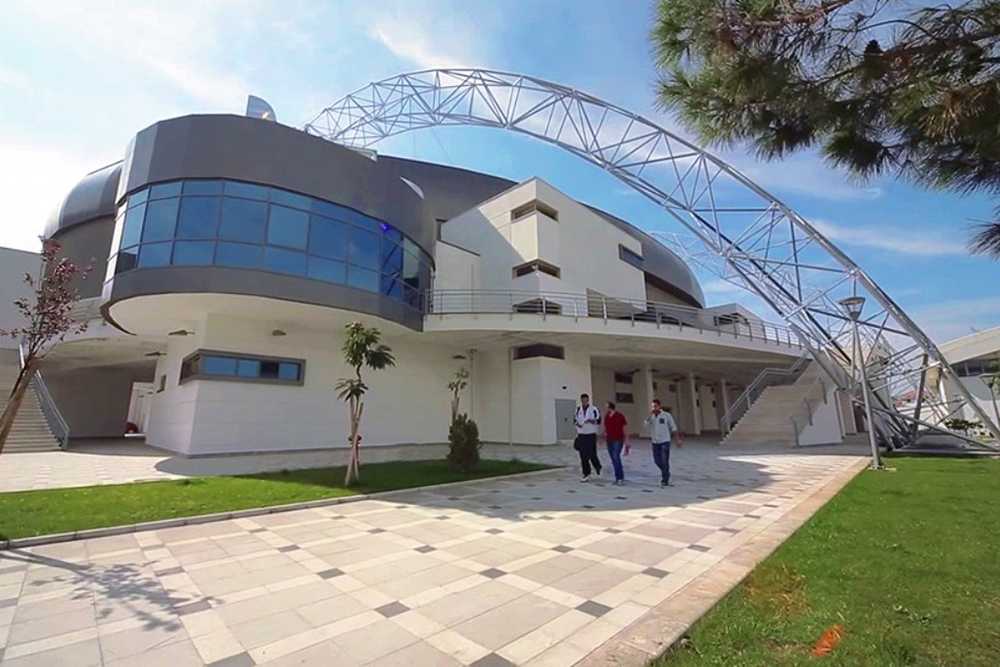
585, 478
619, 482
599, 472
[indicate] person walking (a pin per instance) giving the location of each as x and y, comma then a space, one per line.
661, 428
616, 434
588, 417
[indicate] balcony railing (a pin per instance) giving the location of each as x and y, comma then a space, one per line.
596, 306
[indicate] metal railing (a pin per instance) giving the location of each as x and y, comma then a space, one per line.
597, 306
802, 416
54, 418
769, 377
85, 310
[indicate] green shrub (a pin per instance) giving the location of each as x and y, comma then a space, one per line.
463, 444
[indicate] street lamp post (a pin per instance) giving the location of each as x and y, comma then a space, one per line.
853, 306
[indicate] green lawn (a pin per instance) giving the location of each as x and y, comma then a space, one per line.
907, 561
45, 512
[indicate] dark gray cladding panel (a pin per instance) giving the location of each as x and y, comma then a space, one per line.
223, 280
87, 246
93, 197
249, 149
450, 191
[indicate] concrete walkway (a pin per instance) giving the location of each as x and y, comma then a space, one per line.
539, 570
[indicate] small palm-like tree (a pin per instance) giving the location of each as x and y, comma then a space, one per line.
362, 349
459, 382
987, 240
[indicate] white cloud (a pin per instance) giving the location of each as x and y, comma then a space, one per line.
32, 178
802, 175
946, 320
441, 40
923, 243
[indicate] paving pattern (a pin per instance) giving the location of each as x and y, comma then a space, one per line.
537, 570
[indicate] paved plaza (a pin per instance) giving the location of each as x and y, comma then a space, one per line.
534, 570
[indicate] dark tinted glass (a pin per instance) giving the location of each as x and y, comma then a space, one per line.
218, 365
161, 217
287, 227
327, 270
165, 190
284, 261
193, 252
328, 238
361, 220
126, 260
154, 254
198, 218
238, 255
392, 258
246, 190
363, 249
132, 231
138, 197
270, 369
327, 210
392, 287
362, 278
291, 199
243, 220
203, 187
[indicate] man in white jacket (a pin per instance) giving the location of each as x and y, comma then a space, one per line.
661, 428
588, 417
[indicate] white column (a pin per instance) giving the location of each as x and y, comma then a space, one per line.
723, 402
695, 409
647, 376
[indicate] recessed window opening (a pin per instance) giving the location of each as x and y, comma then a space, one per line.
539, 350
630, 256
208, 365
537, 266
534, 206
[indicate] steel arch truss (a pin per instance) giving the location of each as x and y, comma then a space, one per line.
745, 236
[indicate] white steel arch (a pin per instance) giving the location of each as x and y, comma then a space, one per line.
745, 235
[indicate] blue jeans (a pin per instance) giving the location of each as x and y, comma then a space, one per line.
615, 452
661, 457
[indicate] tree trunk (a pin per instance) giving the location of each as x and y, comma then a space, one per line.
353, 465
15, 400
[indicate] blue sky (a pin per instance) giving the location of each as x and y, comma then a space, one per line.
77, 80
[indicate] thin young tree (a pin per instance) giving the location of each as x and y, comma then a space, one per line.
362, 349
878, 86
458, 382
47, 320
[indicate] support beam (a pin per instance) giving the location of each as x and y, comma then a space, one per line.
692, 384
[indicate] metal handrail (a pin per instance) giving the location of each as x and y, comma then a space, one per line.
599, 306
803, 414
769, 377
54, 418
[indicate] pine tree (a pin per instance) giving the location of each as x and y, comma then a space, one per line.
878, 86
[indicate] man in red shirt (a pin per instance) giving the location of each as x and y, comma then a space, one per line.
616, 433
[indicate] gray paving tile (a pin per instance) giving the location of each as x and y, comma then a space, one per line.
563, 549
192, 608
238, 660
331, 573
595, 609
8, 603
392, 609
494, 531
425, 549
288, 548
655, 572
492, 660
169, 571
699, 547
493, 573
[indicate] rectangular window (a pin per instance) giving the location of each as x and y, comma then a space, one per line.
623, 378
154, 254
164, 190
630, 256
208, 365
363, 249
534, 207
327, 270
243, 220
290, 199
537, 266
539, 307
539, 350
239, 255
624, 398
161, 218
328, 238
132, 230
285, 261
246, 190
363, 279
193, 253
203, 187
288, 227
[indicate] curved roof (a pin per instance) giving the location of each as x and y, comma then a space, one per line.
451, 191
93, 197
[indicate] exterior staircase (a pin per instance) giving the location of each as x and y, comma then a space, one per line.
31, 432
781, 412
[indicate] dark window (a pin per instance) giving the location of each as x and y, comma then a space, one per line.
624, 398
161, 217
537, 266
287, 227
284, 261
392, 287
630, 256
363, 249
623, 378
203, 187
361, 278
246, 190
539, 350
126, 260
328, 238
198, 218
132, 229
238, 255
164, 190
154, 254
534, 207
221, 366
193, 252
327, 270
243, 220
392, 258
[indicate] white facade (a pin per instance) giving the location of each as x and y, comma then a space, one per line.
976, 359
14, 263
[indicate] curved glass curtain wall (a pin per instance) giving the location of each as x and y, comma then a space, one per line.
248, 226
